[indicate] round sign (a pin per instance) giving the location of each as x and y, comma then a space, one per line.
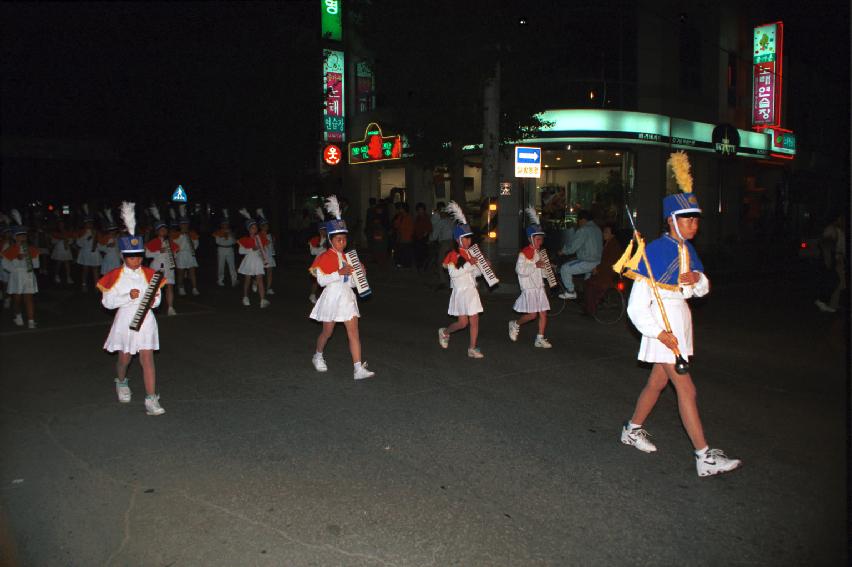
331, 154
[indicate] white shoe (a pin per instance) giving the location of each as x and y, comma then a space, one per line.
443, 337
220, 284
475, 353
514, 329
541, 342
254, 288
31, 324
56, 279
19, 320
312, 298
195, 291
568, 295
181, 291
7, 303
152, 405
234, 282
270, 291
714, 461
246, 301
171, 312
123, 391
824, 307
319, 363
264, 303
637, 437
362, 372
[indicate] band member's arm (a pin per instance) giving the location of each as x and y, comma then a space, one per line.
115, 298
699, 289
641, 310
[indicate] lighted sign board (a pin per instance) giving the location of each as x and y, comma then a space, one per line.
767, 58
375, 147
179, 195
782, 142
527, 162
334, 126
365, 87
332, 21
331, 154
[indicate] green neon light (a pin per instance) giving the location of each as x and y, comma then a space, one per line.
332, 20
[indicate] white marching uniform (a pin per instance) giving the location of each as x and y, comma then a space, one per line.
19, 279
464, 299
111, 256
87, 256
160, 261
4, 275
225, 256
533, 298
645, 315
120, 337
60, 249
252, 264
185, 258
270, 251
337, 302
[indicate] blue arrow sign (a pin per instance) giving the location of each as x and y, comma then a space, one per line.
527, 155
179, 196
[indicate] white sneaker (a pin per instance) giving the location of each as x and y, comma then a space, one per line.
475, 353
246, 301
195, 291
56, 279
7, 303
220, 284
264, 303
270, 291
181, 291
363, 373
443, 337
319, 363
824, 307
637, 437
541, 342
713, 462
171, 312
254, 288
19, 320
152, 405
31, 324
514, 329
123, 391
234, 282
312, 298
568, 295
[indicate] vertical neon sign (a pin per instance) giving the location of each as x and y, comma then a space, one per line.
332, 83
767, 58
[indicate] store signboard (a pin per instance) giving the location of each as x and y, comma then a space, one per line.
334, 126
766, 75
332, 19
375, 147
782, 142
527, 162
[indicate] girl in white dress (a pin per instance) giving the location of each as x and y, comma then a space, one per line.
108, 245
89, 258
123, 289
60, 251
20, 262
464, 299
186, 258
263, 225
162, 251
253, 249
337, 303
533, 300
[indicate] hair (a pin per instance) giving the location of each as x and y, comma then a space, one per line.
404, 207
585, 214
420, 205
440, 205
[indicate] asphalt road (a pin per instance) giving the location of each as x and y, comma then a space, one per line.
439, 459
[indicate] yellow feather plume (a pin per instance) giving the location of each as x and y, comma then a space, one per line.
679, 164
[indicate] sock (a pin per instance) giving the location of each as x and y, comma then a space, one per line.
631, 425
319, 354
539, 336
357, 366
122, 382
150, 396
701, 452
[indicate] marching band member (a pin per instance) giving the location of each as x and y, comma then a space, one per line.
533, 299
163, 250
337, 303
464, 299
225, 241
60, 250
108, 245
88, 257
186, 258
123, 290
253, 248
263, 224
20, 261
671, 268
316, 246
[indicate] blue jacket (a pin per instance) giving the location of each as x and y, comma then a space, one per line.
587, 243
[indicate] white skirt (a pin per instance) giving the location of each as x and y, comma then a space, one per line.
680, 318
532, 301
465, 302
122, 339
337, 303
272, 262
252, 265
160, 266
88, 258
21, 282
61, 252
184, 259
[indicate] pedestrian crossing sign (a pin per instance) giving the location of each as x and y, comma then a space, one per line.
179, 196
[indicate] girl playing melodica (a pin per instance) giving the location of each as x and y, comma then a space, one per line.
108, 245
162, 251
20, 261
337, 303
263, 226
124, 289
533, 299
253, 249
464, 299
316, 246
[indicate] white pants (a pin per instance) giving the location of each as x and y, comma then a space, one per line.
575, 267
225, 257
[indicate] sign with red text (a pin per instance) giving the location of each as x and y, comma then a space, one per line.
334, 126
766, 75
331, 154
375, 146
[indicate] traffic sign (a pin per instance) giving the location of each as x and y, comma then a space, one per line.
331, 154
179, 196
527, 161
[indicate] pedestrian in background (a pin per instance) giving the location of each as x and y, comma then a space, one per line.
587, 244
832, 266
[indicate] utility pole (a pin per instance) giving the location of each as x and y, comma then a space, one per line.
491, 148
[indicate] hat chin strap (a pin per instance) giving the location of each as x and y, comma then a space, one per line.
677, 230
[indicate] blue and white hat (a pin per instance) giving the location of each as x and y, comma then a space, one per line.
680, 204
334, 225
130, 243
225, 220
173, 222
461, 229
183, 218
110, 224
158, 222
18, 227
87, 216
261, 218
249, 220
534, 228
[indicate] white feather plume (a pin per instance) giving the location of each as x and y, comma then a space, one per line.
333, 206
533, 215
182, 209
319, 213
155, 212
108, 215
245, 213
128, 216
456, 212
679, 162
172, 214
17, 216
260, 213
86, 209
224, 213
